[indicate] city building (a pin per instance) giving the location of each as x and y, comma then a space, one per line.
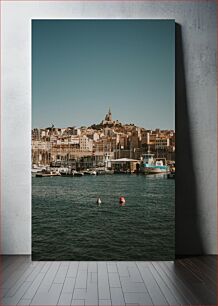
98, 144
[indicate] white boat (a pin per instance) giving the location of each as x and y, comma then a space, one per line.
36, 168
152, 166
89, 172
76, 173
71, 173
47, 173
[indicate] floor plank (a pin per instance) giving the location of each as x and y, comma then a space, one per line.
153, 289
197, 285
170, 282
168, 292
186, 281
48, 298
201, 270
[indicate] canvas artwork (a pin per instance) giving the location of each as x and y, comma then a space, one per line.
103, 139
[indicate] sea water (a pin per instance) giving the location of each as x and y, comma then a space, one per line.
67, 224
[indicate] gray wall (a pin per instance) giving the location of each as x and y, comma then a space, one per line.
196, 113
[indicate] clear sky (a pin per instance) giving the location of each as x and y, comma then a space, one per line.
80, 68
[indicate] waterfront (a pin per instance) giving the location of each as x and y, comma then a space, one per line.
68, 225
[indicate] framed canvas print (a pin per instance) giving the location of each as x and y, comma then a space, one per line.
103, 139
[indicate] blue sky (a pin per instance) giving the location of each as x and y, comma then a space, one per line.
80, 68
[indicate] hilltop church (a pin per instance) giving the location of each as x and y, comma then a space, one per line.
108, 120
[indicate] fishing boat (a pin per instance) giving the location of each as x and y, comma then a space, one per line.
153, 166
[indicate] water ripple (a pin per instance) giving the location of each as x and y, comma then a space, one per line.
68, 225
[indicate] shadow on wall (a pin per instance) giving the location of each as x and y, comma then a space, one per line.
188, 232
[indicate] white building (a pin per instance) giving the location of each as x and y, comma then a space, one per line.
85, 143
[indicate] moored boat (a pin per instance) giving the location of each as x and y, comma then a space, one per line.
36, 169
104, 172
156, 170
154, 166
72, 173
89, 172
47, 173
75, 173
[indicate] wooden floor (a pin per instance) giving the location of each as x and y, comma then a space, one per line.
188, 281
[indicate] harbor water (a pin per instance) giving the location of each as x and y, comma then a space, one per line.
67, 224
